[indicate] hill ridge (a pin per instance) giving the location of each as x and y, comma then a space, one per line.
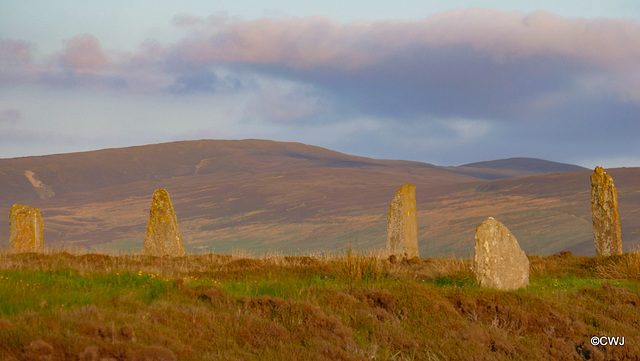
515, 167
264, 195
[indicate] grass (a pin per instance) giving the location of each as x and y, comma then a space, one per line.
354, 268
626, 266
349, 306
44, 290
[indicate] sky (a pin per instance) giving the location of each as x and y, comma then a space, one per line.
446, 83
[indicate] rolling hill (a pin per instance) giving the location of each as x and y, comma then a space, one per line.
514, 167
289, 197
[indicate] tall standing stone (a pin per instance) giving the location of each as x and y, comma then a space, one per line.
402, 228
499, 262
604, 214
27, 229
162, 237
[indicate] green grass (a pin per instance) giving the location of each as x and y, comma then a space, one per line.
25, 289
272, 285
552, 286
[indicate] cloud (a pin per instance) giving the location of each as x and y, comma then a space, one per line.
612, 43
505, 36
14, 53
84, 63
477, 55
479, 81
84, 53
15, 60
295, 42
285, 102
205, 81
467, 130
472, 63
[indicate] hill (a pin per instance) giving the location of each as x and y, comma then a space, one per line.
253, 194
547, 213
514, 167
289, 197
88, 171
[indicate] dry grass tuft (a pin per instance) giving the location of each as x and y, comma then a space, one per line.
451, 267
355, 267
626, 266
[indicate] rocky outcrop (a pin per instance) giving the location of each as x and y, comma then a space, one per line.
43, 190
499, 262
27, 229
402, 227
604, 214
162, 237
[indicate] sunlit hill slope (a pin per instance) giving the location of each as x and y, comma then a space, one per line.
290, 197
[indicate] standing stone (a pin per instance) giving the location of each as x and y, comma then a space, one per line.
499, 262
27, 229
402, 228
604, 214
162, 237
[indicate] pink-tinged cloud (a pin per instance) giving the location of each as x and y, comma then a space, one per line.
480, 58
322, 42
417, 51
613, 43
461, 63
84, 53
14, 53
296, 42
15, 60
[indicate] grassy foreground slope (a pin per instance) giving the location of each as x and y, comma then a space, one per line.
62, 306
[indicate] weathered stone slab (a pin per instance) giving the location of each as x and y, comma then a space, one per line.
402, 227
499, 262
27, 229
604, 214
162, 237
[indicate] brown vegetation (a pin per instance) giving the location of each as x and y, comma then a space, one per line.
213, 307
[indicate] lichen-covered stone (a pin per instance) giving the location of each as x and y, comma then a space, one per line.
604, 214
499, 262
162, 237
27, 229
402, 227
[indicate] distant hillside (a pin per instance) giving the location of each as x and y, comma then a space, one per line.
255, 194
88, 171
290, 197
514, 167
